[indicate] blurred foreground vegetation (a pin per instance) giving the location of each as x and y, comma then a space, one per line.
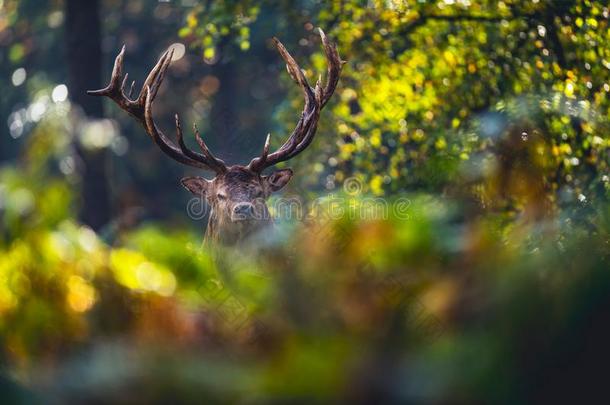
481, 127
428, 307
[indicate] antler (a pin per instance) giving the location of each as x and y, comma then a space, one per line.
315, 99
141, 109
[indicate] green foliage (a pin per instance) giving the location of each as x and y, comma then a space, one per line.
425, 77
210, 22
422, 75
464, 261
414, 292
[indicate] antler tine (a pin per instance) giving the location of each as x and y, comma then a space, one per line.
335, 64
151, 79
259, 163
192, 154
315, 100
156, 83
161, 140
296, 73
124, 82
265, 154
117, 69
141, 109
131, 89
219, 163
112, 90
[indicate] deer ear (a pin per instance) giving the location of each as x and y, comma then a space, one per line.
196, 185
278, 179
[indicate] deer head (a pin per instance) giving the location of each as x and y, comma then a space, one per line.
237, 194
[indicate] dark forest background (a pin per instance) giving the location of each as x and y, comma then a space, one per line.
466, 149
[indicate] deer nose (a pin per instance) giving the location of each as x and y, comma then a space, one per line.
244, 210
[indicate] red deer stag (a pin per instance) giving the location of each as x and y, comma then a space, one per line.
237, 194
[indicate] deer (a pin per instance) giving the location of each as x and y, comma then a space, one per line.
237, 194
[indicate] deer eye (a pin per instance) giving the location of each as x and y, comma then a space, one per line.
221, 196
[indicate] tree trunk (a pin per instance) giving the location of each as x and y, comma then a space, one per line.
84, 57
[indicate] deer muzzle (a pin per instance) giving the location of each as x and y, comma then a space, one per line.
243, 211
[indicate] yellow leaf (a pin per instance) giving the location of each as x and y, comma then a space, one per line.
191, 20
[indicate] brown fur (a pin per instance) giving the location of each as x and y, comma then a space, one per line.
238, 187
